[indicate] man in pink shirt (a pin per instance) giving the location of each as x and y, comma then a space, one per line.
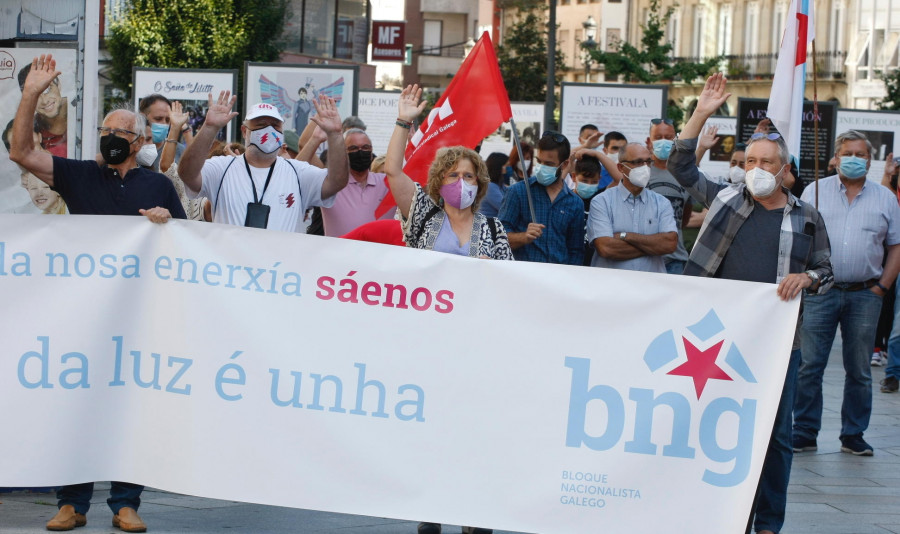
355, 204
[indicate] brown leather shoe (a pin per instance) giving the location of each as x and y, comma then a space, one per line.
127, 520
66, 519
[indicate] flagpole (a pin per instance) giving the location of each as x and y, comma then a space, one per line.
515, 132
815, 121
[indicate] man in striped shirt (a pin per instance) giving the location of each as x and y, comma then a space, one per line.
757, 231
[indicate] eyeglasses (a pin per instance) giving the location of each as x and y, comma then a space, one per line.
556, 136
637, 162
770, 137
353, 148
105, 130
670, 122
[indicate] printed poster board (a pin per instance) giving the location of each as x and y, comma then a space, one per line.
190, 87
611, 107
55, 122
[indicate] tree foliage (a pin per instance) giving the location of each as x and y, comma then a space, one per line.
653, 61
194, 34
892, 84
523, 54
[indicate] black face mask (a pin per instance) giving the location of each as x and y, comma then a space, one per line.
114, 149
360, 160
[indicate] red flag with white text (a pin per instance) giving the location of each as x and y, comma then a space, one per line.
473, 105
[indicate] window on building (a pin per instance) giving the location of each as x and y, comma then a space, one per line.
836, 30
431, 40
723, 37
318, 31
673, 31
751, 29
779, 15
699, 41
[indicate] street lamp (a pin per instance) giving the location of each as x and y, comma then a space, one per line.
589, 45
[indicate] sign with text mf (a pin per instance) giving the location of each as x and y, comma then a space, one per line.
388, 40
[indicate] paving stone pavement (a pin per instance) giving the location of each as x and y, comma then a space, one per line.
830, 493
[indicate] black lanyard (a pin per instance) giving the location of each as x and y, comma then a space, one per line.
256, 199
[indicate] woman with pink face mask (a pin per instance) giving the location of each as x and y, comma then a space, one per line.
443, 215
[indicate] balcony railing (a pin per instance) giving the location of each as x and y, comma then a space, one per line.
830, 64
454, 51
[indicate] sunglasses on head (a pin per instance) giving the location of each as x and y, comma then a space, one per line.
556, 136
670, 122
770, 137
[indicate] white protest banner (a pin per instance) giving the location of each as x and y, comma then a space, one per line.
882, 128
529, 119
292, 370
623, 108
191, 87
54, 122
717, 160
378, 109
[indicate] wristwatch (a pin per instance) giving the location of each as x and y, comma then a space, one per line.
622, 235
814, 276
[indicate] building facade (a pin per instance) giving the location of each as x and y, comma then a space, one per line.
856, 40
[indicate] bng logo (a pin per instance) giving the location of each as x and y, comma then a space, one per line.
689, 361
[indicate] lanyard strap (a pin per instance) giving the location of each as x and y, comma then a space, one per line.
257, 200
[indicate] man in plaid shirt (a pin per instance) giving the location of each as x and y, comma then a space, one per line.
757, 231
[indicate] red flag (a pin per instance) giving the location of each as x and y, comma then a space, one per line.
474, 105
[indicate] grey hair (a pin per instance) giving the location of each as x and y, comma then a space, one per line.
353, 122
852, 135
783, 151
352, 131
140, 121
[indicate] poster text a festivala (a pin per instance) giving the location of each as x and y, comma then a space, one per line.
613, 101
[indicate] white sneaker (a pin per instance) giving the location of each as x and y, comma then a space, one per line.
878, 360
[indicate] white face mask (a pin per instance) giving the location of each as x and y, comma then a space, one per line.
267, 139
147, 155
760, 182
614, 157
639, 176
736, 175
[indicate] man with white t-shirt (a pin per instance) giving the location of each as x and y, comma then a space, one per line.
260, 189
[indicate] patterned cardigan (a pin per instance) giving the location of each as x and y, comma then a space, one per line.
480, 243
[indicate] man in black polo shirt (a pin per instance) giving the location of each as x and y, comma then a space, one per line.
118, 188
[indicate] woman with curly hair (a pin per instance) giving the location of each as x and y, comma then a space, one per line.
444, 215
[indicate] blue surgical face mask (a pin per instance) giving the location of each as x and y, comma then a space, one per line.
853, 167
544, 174
662, 148
160, 131
586, 191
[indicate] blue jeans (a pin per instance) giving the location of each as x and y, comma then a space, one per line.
675, 267
121, 494
857, 313
771, 497
893, 348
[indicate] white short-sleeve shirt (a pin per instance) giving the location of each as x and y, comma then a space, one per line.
295, 187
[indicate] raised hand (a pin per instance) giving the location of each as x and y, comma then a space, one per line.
327, 117
713, 95
411, 104
219, 113
177, 117
708, 139
593, 141
763, 126
43, 72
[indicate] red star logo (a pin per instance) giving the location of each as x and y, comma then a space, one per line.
701, 365
802, 32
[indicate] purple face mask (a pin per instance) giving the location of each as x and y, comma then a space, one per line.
459, 194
